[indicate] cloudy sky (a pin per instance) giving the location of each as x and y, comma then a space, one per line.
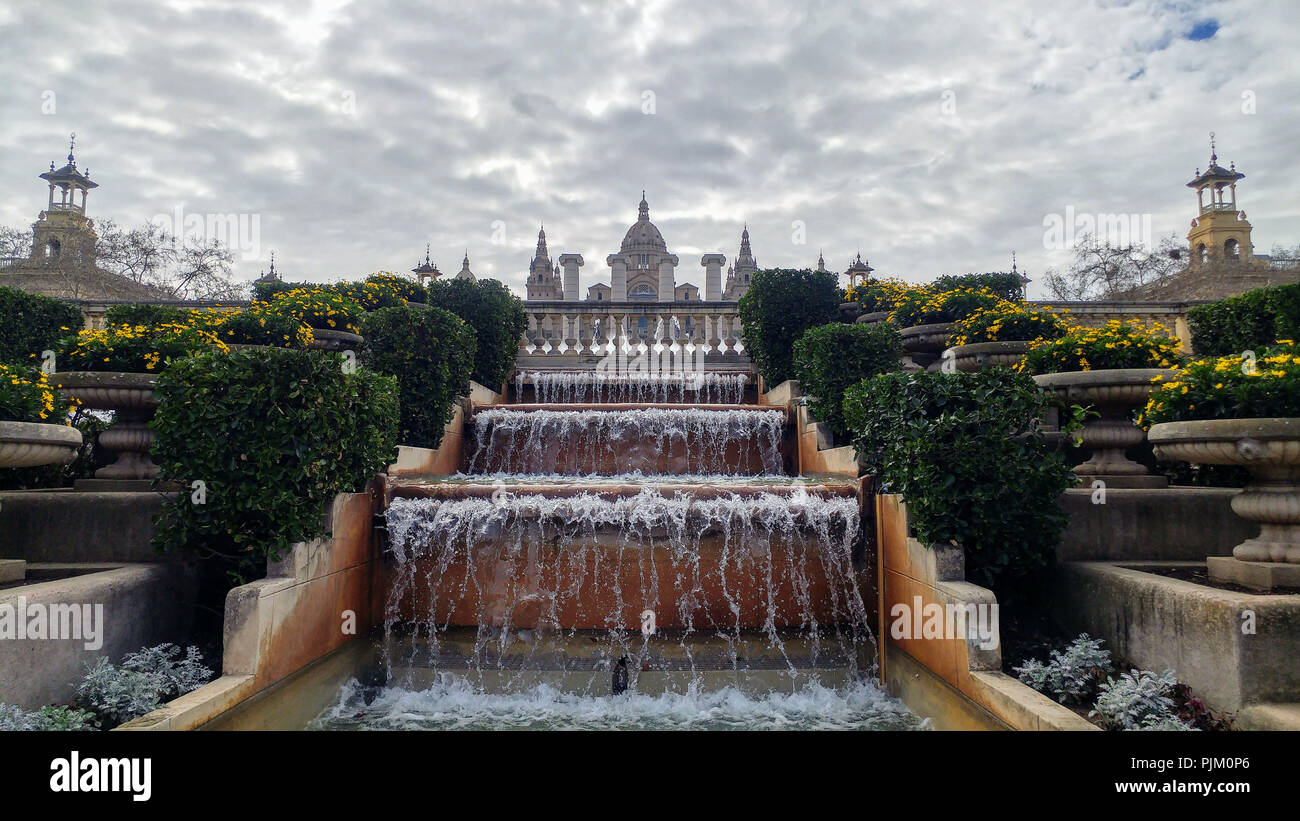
934, 136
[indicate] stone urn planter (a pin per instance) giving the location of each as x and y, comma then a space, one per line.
1114, 394
130, 396
873, 318
923, 339
922, 345
327, 340
31, 444
1270, 450
980, 355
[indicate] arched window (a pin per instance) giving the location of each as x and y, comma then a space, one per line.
1202, 254
642, 291
1231, 250
52, 249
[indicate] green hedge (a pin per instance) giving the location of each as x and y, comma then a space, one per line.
269, 290
31, 324
1005, 285
779, 306
497, 317
830, 358
1253, 320
964, 451
274, 434
430, 351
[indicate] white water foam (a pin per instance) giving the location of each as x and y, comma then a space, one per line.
454, 703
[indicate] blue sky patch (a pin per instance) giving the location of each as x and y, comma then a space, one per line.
1203, 30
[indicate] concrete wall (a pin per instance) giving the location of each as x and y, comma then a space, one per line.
105, 537
311, 604
1157, 622
933, 675
143, 605
1174, 524
75, 526
413, 462
816, 453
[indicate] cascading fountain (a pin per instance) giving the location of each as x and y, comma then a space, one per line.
650, 440
592, 547
569, 387
715, 563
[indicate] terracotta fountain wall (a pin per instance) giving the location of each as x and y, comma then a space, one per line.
596, 558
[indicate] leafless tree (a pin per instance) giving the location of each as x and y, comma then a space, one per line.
15, 244
203, 272
148, 255
1100, 271
1284, 256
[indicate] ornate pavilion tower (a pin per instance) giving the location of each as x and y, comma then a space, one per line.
1220, 232
62, 259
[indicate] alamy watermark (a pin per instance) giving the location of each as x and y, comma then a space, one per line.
1064, 231
967, 622
55, 622
240, 233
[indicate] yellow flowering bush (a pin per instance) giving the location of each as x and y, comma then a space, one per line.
1119, 344
370, 296
875, 295
321, 308
923, 306
26, 395
133, 348
405, 288
260, 326
1240, 386
1008, 322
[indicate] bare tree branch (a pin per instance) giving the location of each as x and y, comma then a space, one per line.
1100, 271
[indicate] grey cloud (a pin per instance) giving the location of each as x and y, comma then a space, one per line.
466, 115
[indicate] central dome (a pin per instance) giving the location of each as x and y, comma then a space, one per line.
643, 235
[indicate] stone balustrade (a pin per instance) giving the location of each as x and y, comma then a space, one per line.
584, 332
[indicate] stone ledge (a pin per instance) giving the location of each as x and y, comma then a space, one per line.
1025, 708
1156, 622
197, 707
1269, 717
12, 570
1262, 576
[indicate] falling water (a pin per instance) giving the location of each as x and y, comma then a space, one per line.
700, 387
661, 547
521, 569
649, 440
